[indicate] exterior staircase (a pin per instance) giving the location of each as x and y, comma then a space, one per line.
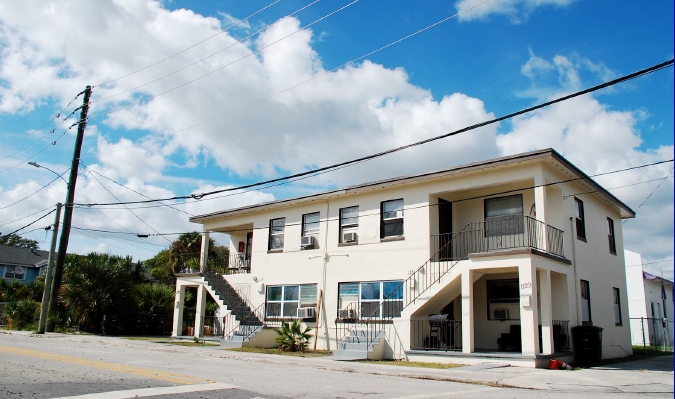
243, 322
358, 345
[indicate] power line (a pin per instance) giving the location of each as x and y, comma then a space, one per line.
418, 143
238, 41
192, 46
327, 219
32, 194
132, 212
27, 216
224, 66
31, 223
46, 123
109, 244
657, 187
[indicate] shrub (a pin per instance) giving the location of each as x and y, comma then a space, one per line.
292, 337
22, 315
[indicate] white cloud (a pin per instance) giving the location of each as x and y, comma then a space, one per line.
516, 10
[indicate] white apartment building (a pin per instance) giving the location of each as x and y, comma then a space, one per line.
496, 259
650, 304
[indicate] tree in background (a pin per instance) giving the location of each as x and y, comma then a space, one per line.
14, 240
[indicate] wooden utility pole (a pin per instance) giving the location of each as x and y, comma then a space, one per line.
50, 272
68, 211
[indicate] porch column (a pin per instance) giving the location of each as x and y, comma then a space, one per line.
467, 311
204, 252
200, 311
546, 311
529, 323
540, 236
178, 311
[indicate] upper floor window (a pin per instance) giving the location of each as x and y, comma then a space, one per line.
504, 215
276, 240
391, 223
610, 236
349, 223
310, 224
579, 218
14, 272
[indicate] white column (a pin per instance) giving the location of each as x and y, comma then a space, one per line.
178, 311
540, 209
546, 311
529, 323
467, 311
200, 311
204, 252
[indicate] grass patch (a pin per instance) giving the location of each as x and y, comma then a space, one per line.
650, 351
413, 364
275, 351
189, 343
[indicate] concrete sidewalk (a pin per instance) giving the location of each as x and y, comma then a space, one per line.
652, 375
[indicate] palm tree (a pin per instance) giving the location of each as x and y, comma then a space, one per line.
95, 285
188, 246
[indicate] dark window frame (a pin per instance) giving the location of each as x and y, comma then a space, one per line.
611, 237
516, 299
384, 222
271, 233
617, 302
580, 219
501, 225
351, 226
587, 285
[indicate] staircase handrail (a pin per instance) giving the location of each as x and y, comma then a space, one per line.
217, 281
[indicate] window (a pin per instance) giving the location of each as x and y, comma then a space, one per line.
579, 218
276, 234
14, 272
391, 223
284, 300
610, 236
503, 299
585, 301
373, 299
504, 215
310, 226
349, 221
617, 307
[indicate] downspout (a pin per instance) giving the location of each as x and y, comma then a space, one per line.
574, 265
323, 290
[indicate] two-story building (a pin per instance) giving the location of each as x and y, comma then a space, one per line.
493, 259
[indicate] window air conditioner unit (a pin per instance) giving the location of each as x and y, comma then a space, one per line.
346, 314
306, 241
501, 314
306, 313
350, 237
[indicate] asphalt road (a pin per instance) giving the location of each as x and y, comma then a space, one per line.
59, 366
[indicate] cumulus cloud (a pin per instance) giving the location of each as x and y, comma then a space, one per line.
516, 10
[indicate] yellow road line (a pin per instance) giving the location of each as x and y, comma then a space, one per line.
143, 372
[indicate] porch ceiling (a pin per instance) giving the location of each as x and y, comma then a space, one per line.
240, 228
497, 189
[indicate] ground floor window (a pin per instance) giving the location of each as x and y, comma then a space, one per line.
15, 272
284, 300
585, 300
503, 298
370, 299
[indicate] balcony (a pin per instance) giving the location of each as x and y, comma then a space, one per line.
239, 264
511, 232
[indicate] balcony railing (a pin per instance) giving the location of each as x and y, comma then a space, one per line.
239, 264
497, 234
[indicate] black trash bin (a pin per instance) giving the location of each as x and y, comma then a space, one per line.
587, 345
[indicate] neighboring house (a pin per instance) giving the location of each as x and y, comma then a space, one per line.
22, 264
650, 304
496, 259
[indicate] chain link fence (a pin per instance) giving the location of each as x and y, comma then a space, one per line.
655, 334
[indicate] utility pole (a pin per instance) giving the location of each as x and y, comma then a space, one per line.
68, 212
50, 267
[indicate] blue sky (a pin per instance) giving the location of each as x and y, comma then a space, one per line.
501, 56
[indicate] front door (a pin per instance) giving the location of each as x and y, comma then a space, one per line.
444, 229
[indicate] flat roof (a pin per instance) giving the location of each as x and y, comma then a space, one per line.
526, 156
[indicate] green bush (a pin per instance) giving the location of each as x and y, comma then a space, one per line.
291, 337
22, 315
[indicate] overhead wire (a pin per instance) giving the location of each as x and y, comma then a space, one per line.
31, 223
239, 22
144, 100
411, 145
657, 187
33, 193
24, 217
238, 41
408, 208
